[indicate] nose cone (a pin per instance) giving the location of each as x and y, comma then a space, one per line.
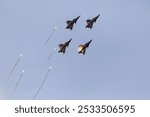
89, 42
96, 18
75, 20
78, 17
69, 40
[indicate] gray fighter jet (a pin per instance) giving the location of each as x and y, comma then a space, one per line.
91, 21
63, 47
82, 48
70, 23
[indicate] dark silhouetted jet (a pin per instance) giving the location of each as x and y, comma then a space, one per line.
70, 23
63, 46
91, 21
82, 48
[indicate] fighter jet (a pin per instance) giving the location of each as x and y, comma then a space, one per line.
63, 46
82, 48
70, 23
91, 21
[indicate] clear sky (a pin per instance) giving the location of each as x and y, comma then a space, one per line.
115, 66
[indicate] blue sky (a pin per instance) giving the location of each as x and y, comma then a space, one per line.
116, 65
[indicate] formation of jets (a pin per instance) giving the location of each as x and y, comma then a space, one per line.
90, 22
82, 47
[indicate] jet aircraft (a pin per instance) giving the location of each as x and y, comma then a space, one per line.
63, 47
82, 48
70, 23
91, 21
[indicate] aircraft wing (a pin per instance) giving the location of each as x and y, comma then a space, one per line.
68, 22
70, 26
63, 50
88, 21
61, 45
90, 25
81, 49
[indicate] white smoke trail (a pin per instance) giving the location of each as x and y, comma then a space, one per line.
9, 75
51, 54
34, 97
55, 28
15, 88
